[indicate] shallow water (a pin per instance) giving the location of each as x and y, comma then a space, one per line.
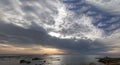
50, 59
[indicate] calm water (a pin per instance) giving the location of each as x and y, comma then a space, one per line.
49, 59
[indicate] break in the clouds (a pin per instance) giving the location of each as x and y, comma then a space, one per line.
107, 5
80, 26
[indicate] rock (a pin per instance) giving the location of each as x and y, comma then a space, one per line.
36, 59
24, 61
109, 60
44, 61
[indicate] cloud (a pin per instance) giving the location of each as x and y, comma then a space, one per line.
107, 5
13, 35
70, 25
54, 18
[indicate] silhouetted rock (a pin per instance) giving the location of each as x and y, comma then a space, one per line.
24, 61
110, 61
37, 58
44, 61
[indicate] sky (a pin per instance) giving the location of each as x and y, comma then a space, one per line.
59, 27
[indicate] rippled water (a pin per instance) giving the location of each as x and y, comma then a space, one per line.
50, 59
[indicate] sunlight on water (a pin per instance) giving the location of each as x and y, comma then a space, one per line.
49, 60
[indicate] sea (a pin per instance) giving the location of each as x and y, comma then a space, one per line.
50, 59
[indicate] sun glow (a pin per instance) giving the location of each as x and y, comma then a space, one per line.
35, 49
114, 51
52, 51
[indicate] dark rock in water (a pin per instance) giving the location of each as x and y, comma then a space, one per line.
44, 61
37, 59
110, 61
25, 61
22, 61
28, 62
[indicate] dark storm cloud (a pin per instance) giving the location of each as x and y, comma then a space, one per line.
17, 34
80, 46
20, 36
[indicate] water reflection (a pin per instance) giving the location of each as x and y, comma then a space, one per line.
54, 59
51, 60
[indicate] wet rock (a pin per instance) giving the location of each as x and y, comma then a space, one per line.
110, 61
44, 61
37, 58
25, 61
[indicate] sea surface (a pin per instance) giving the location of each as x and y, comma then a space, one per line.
50, 59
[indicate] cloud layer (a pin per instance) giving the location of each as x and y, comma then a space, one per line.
107, 5
70, 25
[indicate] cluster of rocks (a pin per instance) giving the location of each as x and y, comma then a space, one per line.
109, 61
42, 61
28, 61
